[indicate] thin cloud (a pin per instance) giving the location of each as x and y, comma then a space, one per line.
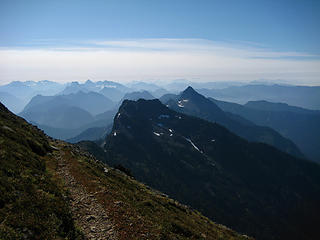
244, 49
142, 59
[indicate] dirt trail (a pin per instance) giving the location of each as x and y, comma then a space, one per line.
87, 213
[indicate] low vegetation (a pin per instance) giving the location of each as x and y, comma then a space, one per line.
32, 205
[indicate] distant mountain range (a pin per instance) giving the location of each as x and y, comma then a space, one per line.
301, 96
98, 98
20, 93
251, 187
238, 92
90, 86
300, 125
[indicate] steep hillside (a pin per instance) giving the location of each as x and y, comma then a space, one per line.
53, 190
192, 103
251, 187
32, 204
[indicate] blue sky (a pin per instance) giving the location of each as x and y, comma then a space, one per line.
289, 28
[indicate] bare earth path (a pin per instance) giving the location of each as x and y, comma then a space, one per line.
88, 214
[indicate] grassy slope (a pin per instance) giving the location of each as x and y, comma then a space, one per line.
32, 205
33, 199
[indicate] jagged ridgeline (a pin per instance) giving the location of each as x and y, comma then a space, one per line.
251, 187
53, 190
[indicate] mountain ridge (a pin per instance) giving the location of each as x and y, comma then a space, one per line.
192, 103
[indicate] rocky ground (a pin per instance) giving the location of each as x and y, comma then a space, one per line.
88, 214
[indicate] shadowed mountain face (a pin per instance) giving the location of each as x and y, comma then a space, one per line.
192, 103
300, 125
251, 187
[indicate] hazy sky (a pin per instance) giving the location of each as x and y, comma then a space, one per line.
167, 39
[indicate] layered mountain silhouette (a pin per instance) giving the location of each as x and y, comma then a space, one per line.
252, 187
301, 96
66, 116
300, 125
279, 107
92, 102
17, 94
192, 103
58, 116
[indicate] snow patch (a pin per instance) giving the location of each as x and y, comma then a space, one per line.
157, 134
193, 145
180, 104
170, 130
115, 134
109, 86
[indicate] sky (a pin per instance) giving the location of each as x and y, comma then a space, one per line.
201, 40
